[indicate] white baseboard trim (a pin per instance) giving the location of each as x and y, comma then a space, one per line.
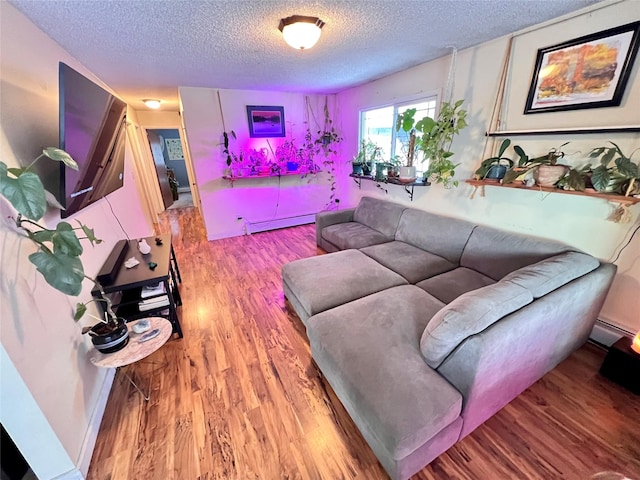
607, 334
71, 475
89, 443
255, 227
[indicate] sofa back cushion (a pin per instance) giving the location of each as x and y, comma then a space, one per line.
467, 315
380, 215
495, 253
551, 273
444, 236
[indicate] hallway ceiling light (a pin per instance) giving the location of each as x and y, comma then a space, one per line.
301, 32
152, 103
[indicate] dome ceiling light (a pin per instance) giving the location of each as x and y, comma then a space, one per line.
152, 103
301, 32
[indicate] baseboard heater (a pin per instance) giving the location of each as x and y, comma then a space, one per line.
274, 224
607, 334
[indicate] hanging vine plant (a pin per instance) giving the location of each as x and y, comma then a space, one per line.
325, 145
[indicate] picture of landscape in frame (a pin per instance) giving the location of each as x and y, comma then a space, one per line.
265, 121
586, 72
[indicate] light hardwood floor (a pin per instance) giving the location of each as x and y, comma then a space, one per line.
239, 397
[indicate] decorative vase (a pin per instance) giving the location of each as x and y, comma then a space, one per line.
407, 173
548, 175
366, 168
109, 338
496, 173
357, 168
292, 166
144, 247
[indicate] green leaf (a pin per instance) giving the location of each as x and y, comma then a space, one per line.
90, 234
503, 147
26, 193
606, 158
524, 158
52, 201
62, 272
600, 178
512, 175
458, 103
596, 152
575, 180
425, 125
60, 156
65, 241
626, 167
81, 309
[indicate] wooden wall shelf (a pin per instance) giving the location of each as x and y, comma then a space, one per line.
610, 197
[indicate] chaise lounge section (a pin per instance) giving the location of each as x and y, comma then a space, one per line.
427, 334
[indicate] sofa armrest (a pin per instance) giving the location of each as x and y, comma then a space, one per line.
324, 219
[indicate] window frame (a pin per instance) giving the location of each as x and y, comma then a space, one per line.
397, 104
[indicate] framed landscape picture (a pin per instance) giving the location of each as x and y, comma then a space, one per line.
265, 122
587, 72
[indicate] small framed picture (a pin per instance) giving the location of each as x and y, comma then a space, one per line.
586, 72
265, 121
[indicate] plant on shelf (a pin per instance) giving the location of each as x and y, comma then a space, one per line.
617, 173
368, 155
546, 170
494, 168
59, 249
406, 123
437, 139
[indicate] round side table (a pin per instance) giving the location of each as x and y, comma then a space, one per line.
134, 351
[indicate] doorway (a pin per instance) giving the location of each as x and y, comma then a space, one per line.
167, 150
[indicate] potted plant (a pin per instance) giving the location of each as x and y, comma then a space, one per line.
546, 171
368, 154
495, 168
617, 173
436, 140
407, 123
59, 249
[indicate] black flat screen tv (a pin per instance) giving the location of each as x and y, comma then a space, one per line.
93, 132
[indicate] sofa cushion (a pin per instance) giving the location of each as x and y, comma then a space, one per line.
467, 315
381, 215
369, 351
443, 236
448, 286
551, 273
353, 235
495, 253
413, 263
326, 281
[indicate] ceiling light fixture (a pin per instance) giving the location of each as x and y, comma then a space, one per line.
301, 32
152, 103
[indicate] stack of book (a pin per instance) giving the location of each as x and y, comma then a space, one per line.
152, 297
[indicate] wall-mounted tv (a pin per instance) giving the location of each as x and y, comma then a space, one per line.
93, 132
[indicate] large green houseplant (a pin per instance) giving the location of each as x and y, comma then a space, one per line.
437, 139
59, 248
616, 173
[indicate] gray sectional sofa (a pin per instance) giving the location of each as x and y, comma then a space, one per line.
425, 326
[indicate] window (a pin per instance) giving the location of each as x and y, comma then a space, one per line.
379, 125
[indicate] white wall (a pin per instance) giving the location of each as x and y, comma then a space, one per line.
37, 330
579, 221
254, 199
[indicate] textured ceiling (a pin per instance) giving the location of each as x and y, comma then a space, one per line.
147, 48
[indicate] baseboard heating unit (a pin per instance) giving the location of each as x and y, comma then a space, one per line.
274, 224
607, 334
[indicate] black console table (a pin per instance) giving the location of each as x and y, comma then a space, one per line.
127, 286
